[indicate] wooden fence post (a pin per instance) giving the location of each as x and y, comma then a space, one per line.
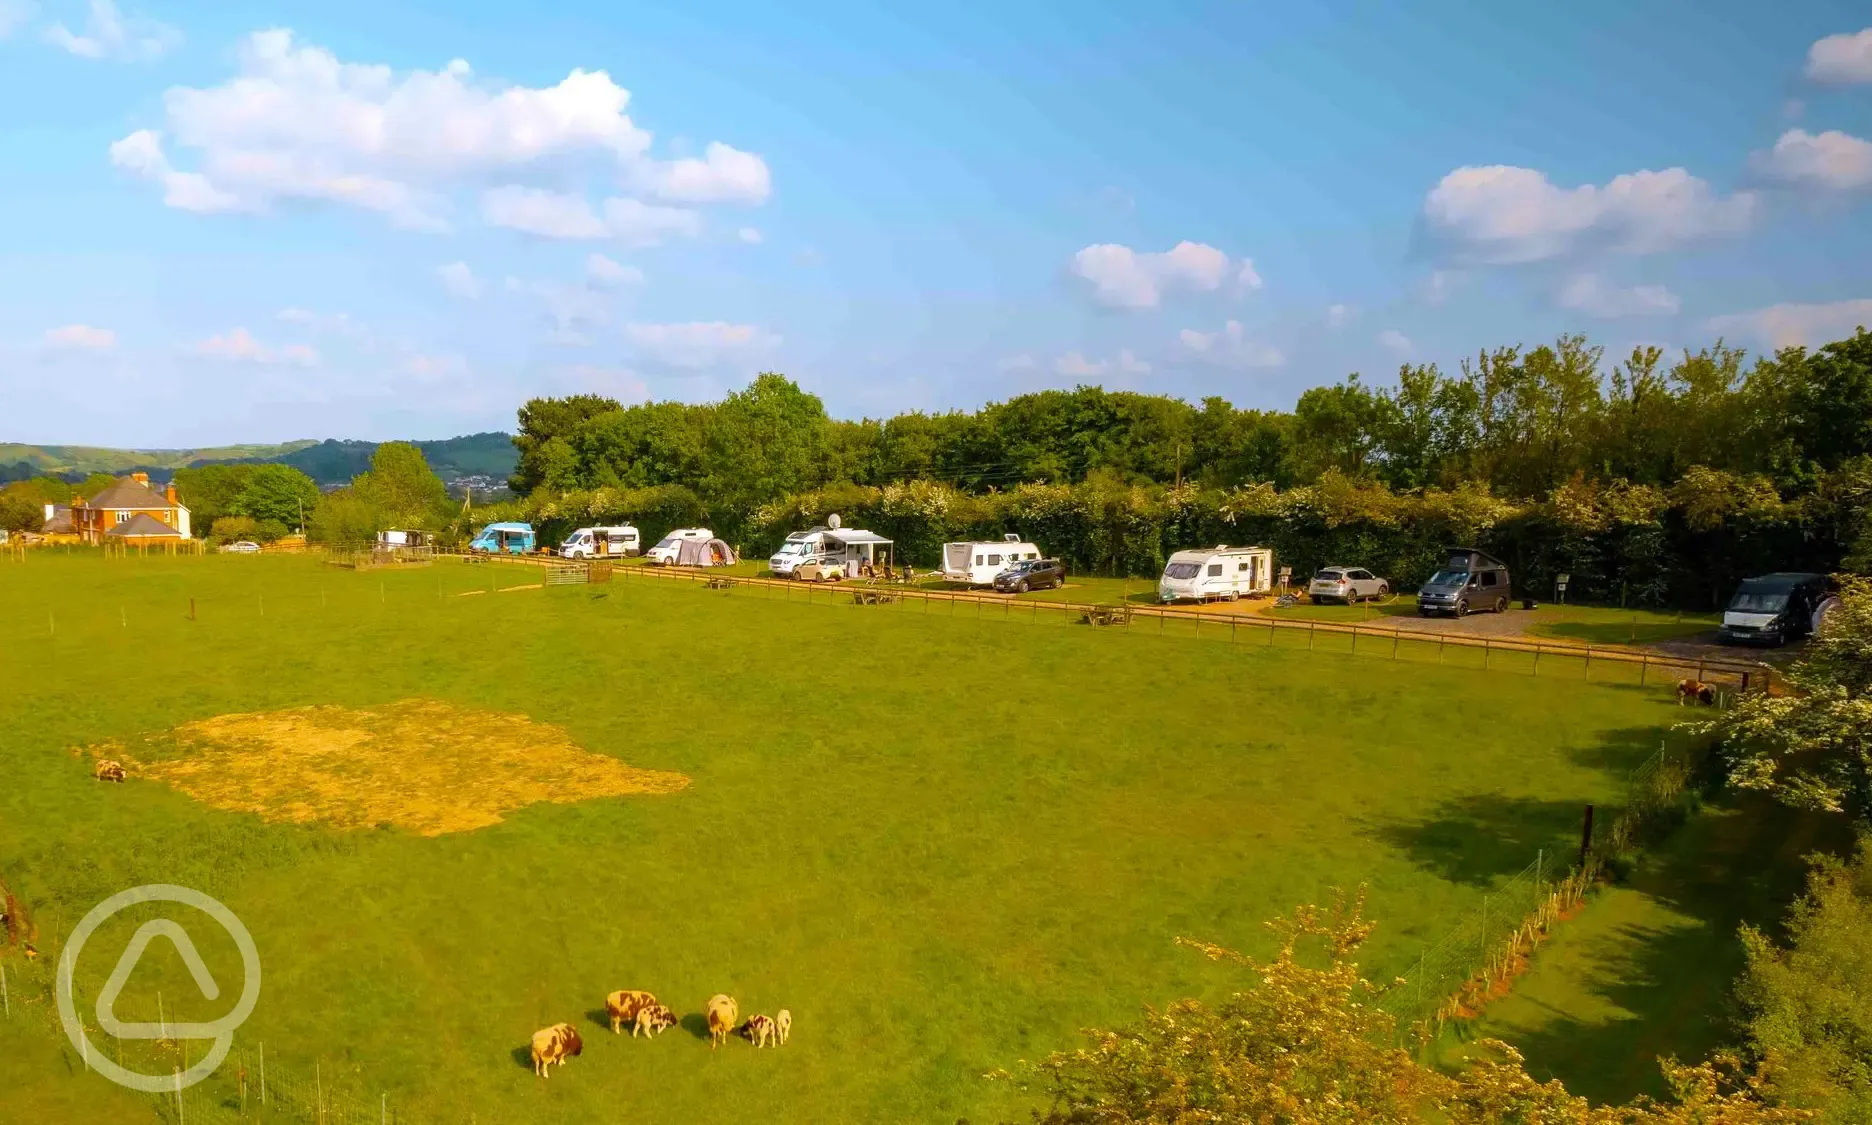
1585, 843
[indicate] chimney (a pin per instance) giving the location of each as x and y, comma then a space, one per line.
169, 493
140, 478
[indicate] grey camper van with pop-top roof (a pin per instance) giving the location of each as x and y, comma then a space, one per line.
1469, 581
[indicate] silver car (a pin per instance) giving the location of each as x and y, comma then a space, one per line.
1347, 584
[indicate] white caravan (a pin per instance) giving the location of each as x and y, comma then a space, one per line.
602, 542
976, 564
664, 553
849, 549
1216, 572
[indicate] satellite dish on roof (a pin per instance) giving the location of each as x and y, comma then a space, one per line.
832, 520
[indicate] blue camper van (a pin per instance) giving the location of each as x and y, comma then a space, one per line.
504, 539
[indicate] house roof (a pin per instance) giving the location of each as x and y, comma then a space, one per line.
129, 493
60, 524
143, 526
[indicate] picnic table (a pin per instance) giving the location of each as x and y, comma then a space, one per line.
1107, 615
873, 597
720, 583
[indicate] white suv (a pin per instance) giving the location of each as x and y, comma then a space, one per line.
1347, 584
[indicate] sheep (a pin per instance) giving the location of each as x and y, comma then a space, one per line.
759, 1030
783, 1024
108, 770
623, 1005
554, 1045
651, 1019
723, 1014
1691, 689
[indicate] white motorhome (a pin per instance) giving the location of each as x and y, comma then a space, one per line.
976, 564
602, 542
1216, 572
849, 549
664, 552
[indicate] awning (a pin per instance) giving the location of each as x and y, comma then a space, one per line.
856, 538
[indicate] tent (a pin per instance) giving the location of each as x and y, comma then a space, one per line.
704, 552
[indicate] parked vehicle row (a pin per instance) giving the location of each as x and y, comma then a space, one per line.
1347, 585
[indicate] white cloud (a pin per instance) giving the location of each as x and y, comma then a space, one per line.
619, 383
108, 34
1021, 362
141, 153
1831, 161
1124, 278
80, 337
1077, 366
459, 280
239, 346
1248, 278
1393, 340
1591, 295
1846, 57
1786, 325
724, 175
1338, 316
604, 273
1437, 287
296, 123
699, 343
551, 214
1231, 347
1503, 214
749, 234
429, 370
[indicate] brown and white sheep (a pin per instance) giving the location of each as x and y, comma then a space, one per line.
759, 1030
108, 770
783, 1024
723, 1015
652, 1019
623, 1005
555, 1044
1697, 690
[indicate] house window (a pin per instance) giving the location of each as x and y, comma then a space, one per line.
123, 517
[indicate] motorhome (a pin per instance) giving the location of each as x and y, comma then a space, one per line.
1470, 580
602, 543
1775, 609
976, 564
504, 539
667, 548
849, 550
1216, 572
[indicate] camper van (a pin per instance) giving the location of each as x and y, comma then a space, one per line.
666, 549
976, 564
503, 539
1775, 609
1216, 572
1469, 581
602, 543
829, 546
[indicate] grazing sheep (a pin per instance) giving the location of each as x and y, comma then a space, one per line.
783, 1024
623, 1005
723, 1014
108, 770
653, 1018
554, 1045
1697, 690
759, 1030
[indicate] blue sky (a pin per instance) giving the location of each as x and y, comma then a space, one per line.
258, 221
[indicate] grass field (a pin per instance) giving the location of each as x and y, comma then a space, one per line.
945, 841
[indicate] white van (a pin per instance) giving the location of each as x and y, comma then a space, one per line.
1216, 572
601, 542
976, 564
848, 549
664, 553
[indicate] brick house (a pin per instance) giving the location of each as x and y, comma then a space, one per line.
130, 509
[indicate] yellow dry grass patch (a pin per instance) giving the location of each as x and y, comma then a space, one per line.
421, 765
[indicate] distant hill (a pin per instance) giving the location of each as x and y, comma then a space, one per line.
483, 460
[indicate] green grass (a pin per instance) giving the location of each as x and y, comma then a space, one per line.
945, 839
1648, 967
1608, 625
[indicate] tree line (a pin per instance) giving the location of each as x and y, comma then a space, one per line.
1648, 481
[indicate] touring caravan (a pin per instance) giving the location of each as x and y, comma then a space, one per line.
504, 539
1216, 572
848, 549
976, 564
667, 548
602, 543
